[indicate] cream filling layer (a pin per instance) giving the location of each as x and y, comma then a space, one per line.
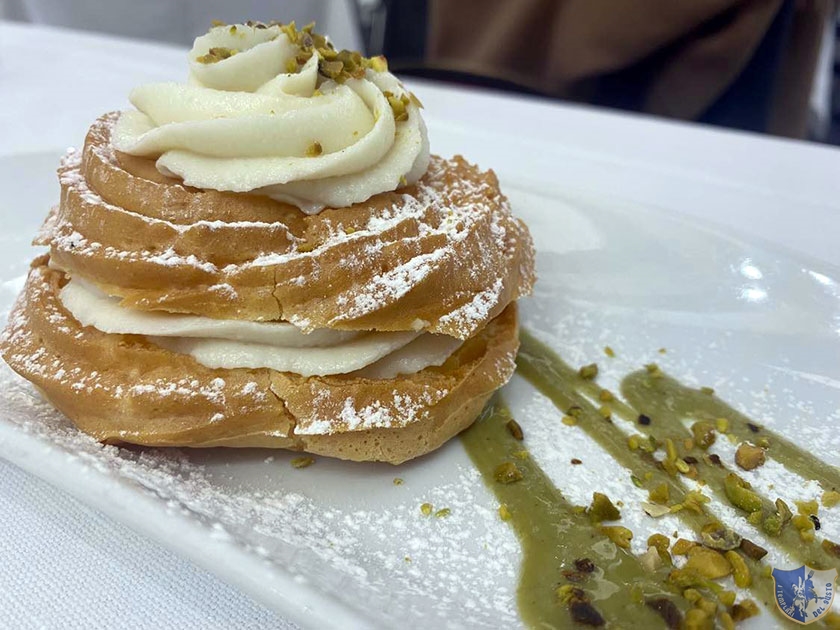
276, 345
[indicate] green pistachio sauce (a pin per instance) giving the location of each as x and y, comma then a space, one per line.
554, 534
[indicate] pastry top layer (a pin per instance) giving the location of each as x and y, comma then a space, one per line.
444, 255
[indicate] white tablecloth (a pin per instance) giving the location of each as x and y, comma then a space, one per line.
63, 565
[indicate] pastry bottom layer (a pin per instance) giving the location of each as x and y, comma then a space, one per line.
123, 389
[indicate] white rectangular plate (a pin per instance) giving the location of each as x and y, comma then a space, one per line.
339, 544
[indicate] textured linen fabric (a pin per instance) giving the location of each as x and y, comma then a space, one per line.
64, 565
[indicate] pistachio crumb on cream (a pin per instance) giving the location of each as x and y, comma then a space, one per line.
270, 109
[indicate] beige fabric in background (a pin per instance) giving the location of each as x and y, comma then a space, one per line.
562, 47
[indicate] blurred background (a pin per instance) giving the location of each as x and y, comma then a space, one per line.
769, 66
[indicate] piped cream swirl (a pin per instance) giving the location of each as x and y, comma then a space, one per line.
245, 124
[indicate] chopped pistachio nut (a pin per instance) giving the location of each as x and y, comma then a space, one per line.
704, 434
682, 546
398, 481
708, 563
575, 411
523, 454
426, 509
805, 526
569, 421
722, 425
507, 472
726, 621
772, 525
609, 351
584, 613
602, 509
670, 450
654, 510
751, 550
314, 150
514, 429
660, 494
660, 541
568, 592
754, 518
740, 570
606, 395
379, 64
707, 390
717, 536
693, 501
740, 494
504, 512
216, 54
605, 412
654, 370
621, 536
399, 105
636, 481
662, 350
443, 512
302, 462
668, 610
748, 456
685, 578
589, 372
696, 619
830, 498
831, 548
744, 610
807, 507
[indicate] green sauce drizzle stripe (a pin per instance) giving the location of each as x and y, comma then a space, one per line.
552, 533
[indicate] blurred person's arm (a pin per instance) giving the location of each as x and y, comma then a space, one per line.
552, 45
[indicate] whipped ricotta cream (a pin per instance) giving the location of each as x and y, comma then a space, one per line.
254, 116
276, 345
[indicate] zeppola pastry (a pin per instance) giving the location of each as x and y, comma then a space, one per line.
267, 255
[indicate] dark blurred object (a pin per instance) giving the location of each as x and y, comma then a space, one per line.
746, 64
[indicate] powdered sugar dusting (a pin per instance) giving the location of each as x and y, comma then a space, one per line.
454, 224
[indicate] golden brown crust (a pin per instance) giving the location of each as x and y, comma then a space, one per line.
446, 251
123, 389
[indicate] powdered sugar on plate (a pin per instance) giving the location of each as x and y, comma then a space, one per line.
347, 530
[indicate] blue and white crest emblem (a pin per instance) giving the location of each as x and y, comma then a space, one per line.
804, 594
